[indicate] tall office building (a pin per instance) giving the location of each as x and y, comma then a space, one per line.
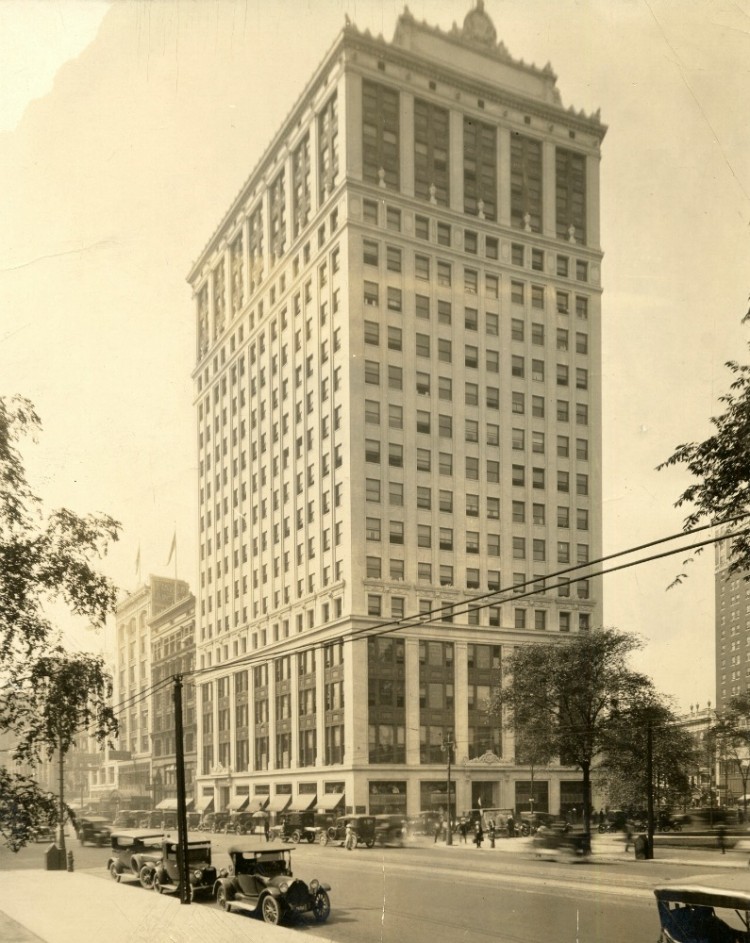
398, 408
732, 600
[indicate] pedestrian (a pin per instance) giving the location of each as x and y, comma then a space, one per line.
463, 827
511, 826
629, 830
438, 830
491, 832
721, 838
478, 834
267, 829
349, 840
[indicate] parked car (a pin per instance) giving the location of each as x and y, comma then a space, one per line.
298, 826
134, 855
261, 881
165, 873
528, 823
193, 821
390, 829
43, 833
94, 829
362, 825
242, 823
424, 823
129, 818
220, 821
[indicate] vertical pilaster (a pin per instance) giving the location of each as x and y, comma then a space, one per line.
456, 159
593, 234
320, 709
406, 142
548, 189
503, 176
411, 665
350, 124
271, 716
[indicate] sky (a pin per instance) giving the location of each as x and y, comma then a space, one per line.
127, 128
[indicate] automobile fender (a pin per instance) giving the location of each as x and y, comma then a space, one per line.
227, 885
324, 887
270, 889
112, 861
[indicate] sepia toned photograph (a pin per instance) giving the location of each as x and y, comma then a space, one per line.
374, 471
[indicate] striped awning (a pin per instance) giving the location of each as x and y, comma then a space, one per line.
331, 801
206, 804
303, 803
256, 804
278, 803
238, 804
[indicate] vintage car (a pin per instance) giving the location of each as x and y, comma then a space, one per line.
134, 854
362, 825
390, 829
164, 875
194, 821
297, 827
424, 823
688, 912
261, 882
129, 818
561, 840
242, 823
220, 822
93, 829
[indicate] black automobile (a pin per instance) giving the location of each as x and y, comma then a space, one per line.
220, 822
261, 882
363, 827
390, 830
165, 876
134, 855
297, 827
94, 830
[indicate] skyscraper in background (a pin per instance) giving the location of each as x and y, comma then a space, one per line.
398, 414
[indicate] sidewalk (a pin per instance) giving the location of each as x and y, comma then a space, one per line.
63, 907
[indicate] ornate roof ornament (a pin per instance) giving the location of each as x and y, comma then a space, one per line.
479, 28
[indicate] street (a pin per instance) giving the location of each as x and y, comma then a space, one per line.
427, 893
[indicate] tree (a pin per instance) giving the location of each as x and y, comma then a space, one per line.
731, 736
721, 463
564, 692
622, 771
23, 808
45, 562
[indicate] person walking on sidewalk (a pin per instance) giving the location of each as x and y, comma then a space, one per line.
478, 834
349, 839
721, 838
629, 831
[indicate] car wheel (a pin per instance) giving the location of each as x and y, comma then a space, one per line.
156, 884
114, 872
270, 909
370, 843
321, 907
146, 877
296, 836
331, 834
221, 898
310, 837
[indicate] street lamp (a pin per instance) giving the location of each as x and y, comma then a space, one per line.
744, 770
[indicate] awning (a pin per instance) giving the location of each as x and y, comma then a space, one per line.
256, 804
278, 803
238, 804
303, 803
206, 804
331, 801
170, 805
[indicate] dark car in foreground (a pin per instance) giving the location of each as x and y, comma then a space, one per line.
390, 830
165, 875
134, 855
93, 830
261, 882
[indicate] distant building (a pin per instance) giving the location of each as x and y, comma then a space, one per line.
132, 783
732, 595
398, 412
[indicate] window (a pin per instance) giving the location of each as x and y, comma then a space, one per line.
582, 519
392, 259
471, 241
472, 468
582, 449
422, 269
563, 446
582, 414
582, 307
518, 403
562, 339
493, 509
445, 426
519, 618
446, 576
492, 397
443, 234
471, 356
372, 528
537, 370
563, 517
491, 324
537, 442
424, 572
493, 434
395, 417
582, 484
424, 535
372, 296
538, 513
373, 568
518, 475
422, 227
395, 455
562, 374
444, 350
445, 463
517, 292
423, 421
537, 478
471, 396
394, 338
446, 501
471, 282
582, 378
424, 459
424, 497
525, 183
471, 430
395, 378
396, 494
537, 260
471, 319
472, 505
491, 247
540, 620
372, 489
372, 451
537, 297
444, 312
537, 334
517, 329
393, 219
480, 163
517, 254
372, 411
370, 252
422, 307
519, 512
370, 212
562, 301
394, 299
517, 366
582, 343
423, 383
431, 152
563, 266
380, 134
563, 481
570, 195
562, 410
396, 534
539, 551
564, 621
445, 388
537, 407
518, 438
372, 332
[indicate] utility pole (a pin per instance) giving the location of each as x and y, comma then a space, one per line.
182, 831
650, 787
61, 812
448, 745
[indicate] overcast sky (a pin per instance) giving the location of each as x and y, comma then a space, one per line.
127, 128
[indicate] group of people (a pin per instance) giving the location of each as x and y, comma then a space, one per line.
477, 829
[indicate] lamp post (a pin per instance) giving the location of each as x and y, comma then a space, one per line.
744, 770
448, 748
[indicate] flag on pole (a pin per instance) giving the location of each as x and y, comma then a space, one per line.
172, 549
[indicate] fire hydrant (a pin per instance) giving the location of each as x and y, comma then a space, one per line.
70, 861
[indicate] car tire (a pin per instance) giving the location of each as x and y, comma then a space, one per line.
296, 836
331, 834
157, 885
321, 907
310, 837
222, 899
369, 843
115, 874
270, 909
146, 876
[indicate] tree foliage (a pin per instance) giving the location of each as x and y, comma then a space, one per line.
721, 466
47, 561
622, 770
24, 808
561, 695
729, 737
